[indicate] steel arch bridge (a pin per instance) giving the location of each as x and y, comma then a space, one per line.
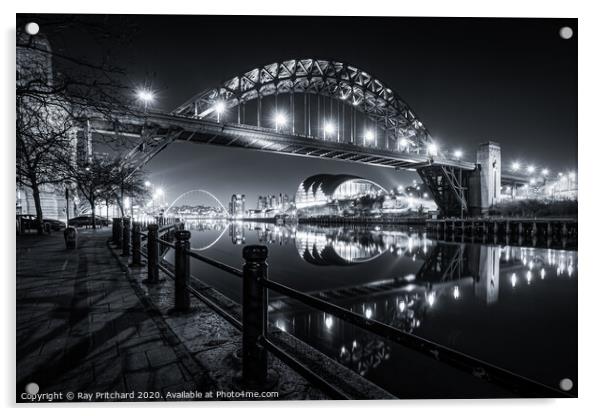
373, 125
336, 81
201, 191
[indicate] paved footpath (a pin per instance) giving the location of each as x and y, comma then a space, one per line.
82, 328
87, 323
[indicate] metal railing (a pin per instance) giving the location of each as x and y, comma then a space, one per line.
256, 340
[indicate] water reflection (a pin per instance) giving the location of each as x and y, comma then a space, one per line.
482, 299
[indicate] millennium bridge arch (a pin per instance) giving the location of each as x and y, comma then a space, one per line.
192, 191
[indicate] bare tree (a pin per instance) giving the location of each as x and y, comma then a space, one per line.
55, 91
44, 138
131, 185
92, 179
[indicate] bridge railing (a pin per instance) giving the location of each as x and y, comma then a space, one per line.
256, 339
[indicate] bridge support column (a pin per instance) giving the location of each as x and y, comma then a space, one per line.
486, 186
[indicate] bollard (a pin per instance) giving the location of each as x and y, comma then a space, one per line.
152, 251
114, 230
182, 262
125, 246
119, 226
254, 315
136, 245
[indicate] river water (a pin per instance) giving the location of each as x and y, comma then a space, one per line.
515, 307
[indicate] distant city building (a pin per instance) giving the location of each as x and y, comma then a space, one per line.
237, 205
270, 205
195, 211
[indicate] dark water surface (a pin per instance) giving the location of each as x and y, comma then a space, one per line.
515, 307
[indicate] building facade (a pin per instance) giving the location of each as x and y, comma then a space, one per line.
334, 194
237, 205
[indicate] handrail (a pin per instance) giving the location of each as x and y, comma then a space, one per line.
254, 325
166, 243
215, 263
459, 360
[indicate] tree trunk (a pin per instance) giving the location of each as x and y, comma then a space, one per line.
39, 214
120, 203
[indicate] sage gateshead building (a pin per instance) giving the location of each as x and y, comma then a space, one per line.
332, 194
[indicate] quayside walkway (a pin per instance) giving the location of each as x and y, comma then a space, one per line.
87, 323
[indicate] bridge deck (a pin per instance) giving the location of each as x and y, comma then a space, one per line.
166, 128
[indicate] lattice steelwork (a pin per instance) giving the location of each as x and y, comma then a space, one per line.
448, 186
339, 81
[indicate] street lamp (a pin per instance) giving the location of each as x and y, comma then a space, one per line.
146, 96
220, 107
404, 143
545, 172
531, 169
515, 166
369, 135
432, 149
147, 184
458, 154
279, 120
329, 128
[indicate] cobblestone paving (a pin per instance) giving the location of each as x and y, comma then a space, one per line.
82, 328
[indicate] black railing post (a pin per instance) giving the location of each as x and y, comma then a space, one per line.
182, 263
119, 234
136, 245
152, 252
126, 237
254, 315
114, 229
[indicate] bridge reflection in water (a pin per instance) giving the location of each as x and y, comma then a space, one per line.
485, 300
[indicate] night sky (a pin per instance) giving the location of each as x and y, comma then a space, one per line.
513, 81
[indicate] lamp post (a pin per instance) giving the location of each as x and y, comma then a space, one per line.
146, 97
67, 186
220, 107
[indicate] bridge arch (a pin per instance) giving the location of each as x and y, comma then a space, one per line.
339, 81
202, 191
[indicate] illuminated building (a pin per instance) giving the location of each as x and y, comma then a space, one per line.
330, 194
237, 205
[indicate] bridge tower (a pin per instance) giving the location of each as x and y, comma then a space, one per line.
486, 185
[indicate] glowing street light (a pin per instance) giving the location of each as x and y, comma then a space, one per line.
515, 166
458, 154
531, 169
145, 96
545, 172
369, 135
147, 184
158, 193
404, 143
219, 108
279, 120
329, 128
432, 149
